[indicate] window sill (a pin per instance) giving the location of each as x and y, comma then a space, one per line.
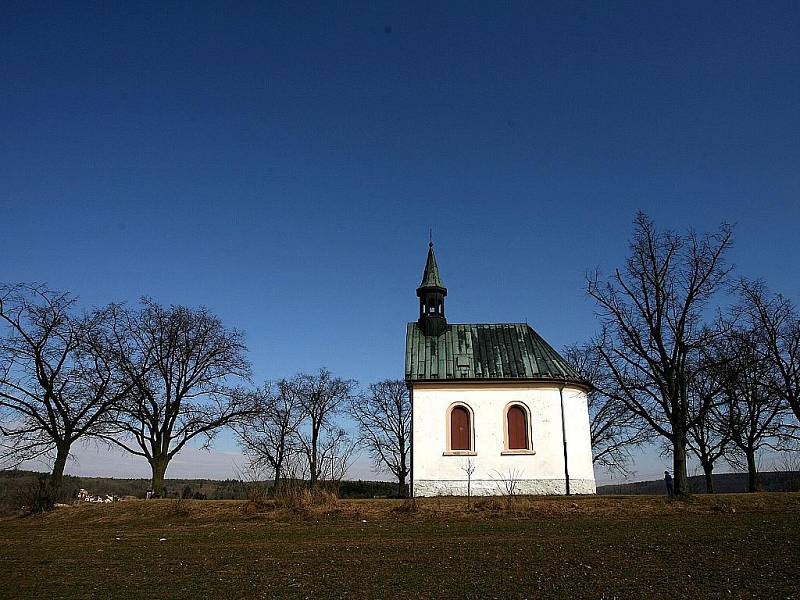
459, 453
522, 451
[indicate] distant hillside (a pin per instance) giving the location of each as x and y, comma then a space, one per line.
724, 483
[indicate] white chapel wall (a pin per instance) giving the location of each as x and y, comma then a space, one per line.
437, 473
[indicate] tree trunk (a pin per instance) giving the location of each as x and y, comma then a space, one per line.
57, 474
708, 469
681, 481
752, 472
313, 460
159, 468
401, 480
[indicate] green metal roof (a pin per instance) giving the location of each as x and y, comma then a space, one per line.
431, 277
483, 351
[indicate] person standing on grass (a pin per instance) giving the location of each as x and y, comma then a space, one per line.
668, 481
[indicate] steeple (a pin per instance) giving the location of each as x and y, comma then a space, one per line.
431, 277
431, 293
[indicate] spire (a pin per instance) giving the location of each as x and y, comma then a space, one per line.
431, 277
431, 293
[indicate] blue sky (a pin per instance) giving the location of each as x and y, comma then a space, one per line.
281, 163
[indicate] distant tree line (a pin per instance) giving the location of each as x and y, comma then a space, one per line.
18, 488
151, 379
671, 364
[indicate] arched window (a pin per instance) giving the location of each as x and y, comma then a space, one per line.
517, 437
460, 429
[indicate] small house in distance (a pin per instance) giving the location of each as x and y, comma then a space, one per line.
493, 399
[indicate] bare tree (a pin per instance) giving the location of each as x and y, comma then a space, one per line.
508, 485
652, 316
384, 422
774, 319
468, 466
296, 468
321, 396
753, 410
336, 453
267, 436
181, 361
614, 428
708, 433
55, 384
708, 439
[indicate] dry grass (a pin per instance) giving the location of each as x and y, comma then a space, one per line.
302, 504
181, 507
612, 547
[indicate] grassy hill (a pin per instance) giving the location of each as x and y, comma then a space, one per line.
553, 547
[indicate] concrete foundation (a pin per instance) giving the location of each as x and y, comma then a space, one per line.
498, 487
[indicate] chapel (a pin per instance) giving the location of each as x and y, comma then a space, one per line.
494, 407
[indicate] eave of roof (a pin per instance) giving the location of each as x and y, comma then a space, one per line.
496, 380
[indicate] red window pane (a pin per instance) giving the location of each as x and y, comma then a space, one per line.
517, 429
459, 429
